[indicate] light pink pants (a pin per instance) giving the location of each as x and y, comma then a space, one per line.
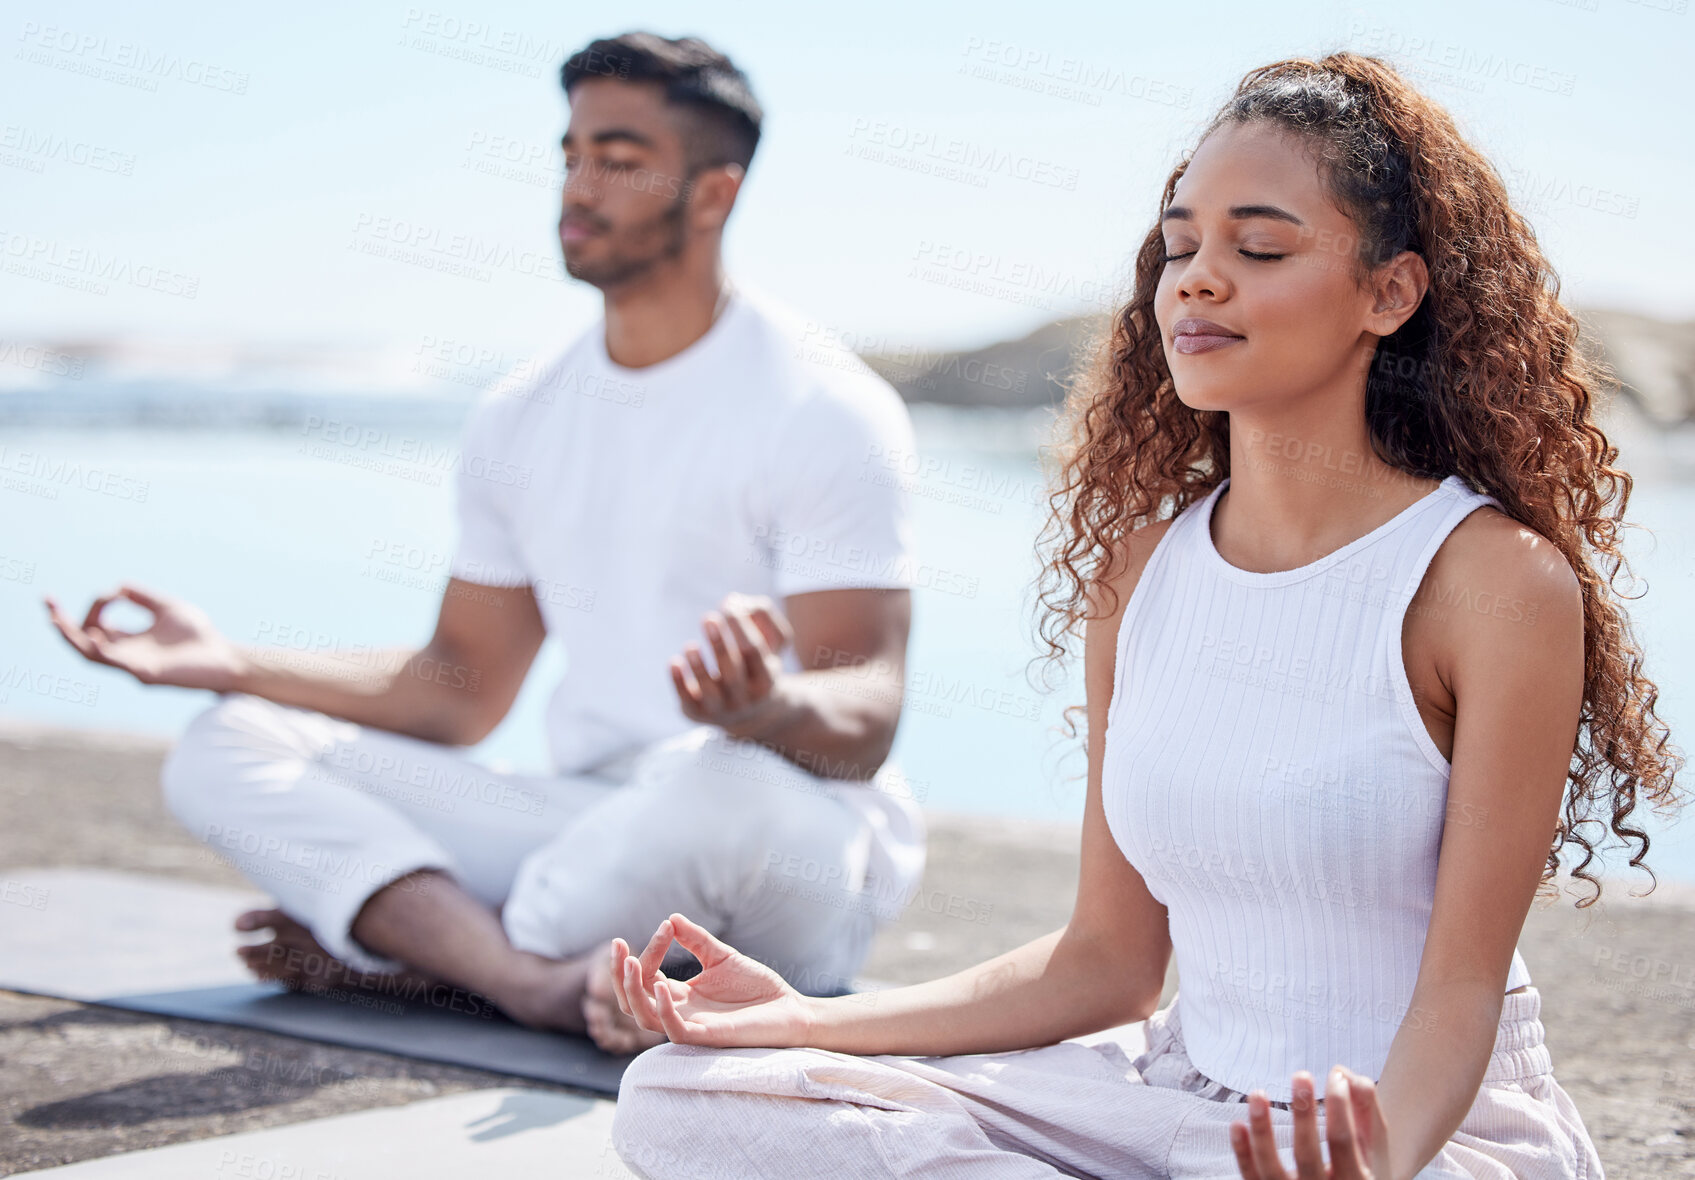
1064, 1110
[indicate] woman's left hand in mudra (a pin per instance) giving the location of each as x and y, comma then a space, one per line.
1353, 1127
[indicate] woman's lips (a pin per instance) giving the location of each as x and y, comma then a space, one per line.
1192, 334
1202, 342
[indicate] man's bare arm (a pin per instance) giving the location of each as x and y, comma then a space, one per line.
455, 689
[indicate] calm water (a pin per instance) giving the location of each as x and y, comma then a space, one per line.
289, 543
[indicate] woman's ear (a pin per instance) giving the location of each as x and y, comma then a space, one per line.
1398, 287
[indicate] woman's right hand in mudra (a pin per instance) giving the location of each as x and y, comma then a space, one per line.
735, 1001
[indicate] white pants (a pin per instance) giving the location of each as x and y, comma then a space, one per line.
1063, 1110
322, 813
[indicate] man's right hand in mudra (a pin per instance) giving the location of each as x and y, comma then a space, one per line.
734, 1002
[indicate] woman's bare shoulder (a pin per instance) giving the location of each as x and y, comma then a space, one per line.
1492, 568
1496, 594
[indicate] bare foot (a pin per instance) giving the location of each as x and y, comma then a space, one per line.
608, 1027
294, 958
564, 995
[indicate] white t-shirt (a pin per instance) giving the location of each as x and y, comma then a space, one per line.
632, 500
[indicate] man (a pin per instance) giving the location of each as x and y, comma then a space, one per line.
671, 475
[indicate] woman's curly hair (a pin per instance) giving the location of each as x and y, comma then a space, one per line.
1485, 381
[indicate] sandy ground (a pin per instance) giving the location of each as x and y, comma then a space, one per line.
1618, 983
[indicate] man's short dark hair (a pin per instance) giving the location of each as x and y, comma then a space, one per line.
696, 77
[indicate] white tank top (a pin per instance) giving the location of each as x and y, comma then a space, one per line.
1267, 772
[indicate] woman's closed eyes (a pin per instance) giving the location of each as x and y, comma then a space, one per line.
1255, 255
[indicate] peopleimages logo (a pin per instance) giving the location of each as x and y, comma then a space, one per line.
145, 67
47, 684
826, 559
372, 446
87, 267
1227, 872
925, 150
40, 147
435, 247
1028, 67
479, 43
58, 473
41, 360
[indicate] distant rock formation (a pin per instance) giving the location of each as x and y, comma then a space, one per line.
1010, 374
230, 384
1653, 361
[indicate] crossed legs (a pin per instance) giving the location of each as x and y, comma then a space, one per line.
395, 858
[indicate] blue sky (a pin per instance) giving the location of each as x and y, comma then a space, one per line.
246, 177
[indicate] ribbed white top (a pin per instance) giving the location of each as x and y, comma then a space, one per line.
1267, 772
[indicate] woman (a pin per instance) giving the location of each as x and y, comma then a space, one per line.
1335, 515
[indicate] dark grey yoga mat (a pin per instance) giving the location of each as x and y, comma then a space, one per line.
127, 940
